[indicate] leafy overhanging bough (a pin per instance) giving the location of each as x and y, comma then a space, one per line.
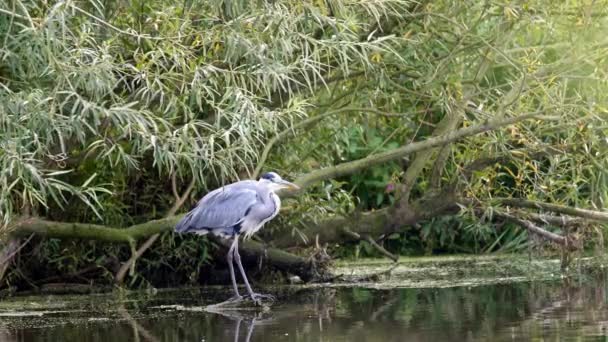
190, 94
276, 257
93, 102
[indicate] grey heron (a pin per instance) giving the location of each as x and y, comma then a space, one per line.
240, 208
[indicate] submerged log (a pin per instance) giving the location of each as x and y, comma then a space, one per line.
308, 269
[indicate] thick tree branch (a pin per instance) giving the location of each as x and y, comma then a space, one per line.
86, 231
284, 261
309, 122
380, 158
375, 223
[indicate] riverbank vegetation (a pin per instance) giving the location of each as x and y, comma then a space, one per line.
413, 127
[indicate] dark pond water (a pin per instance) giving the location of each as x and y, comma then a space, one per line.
543, 311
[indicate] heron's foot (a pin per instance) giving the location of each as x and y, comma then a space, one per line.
259, 298
236, 299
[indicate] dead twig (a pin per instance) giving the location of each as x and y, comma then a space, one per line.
179, 202
372, 242
531, 227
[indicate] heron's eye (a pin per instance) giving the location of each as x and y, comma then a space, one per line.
267, 175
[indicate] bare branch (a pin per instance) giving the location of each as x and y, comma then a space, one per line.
174, 186
559, 221
531, 227
523, 203
8, 257
372, 242
180, 200
108, 25
438, 166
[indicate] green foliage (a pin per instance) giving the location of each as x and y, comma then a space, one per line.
370, 186
151, 86
102, 102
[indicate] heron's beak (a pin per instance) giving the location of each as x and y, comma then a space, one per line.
289, 185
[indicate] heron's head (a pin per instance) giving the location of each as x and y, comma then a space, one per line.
275, 182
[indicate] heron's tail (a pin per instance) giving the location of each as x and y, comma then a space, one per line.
183, 225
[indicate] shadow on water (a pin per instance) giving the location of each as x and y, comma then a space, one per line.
499, 312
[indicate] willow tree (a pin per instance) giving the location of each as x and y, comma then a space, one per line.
113, 113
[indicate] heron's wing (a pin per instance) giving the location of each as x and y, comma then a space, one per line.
222, 208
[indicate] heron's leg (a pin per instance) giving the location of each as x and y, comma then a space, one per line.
237, 257
231, 266
256, 297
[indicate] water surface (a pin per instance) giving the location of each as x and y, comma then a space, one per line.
512, 311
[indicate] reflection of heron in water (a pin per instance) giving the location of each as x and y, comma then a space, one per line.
255, 317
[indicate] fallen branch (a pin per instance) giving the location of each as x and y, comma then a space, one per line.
380, 222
